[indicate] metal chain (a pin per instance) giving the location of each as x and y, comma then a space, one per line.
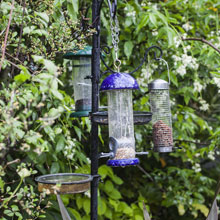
115, 40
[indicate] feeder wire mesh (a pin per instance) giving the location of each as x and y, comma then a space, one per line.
161, 119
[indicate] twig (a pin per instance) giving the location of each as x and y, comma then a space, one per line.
202, 40
13, 64
6, 34
12, 162
19, 62
20, 37
145, 172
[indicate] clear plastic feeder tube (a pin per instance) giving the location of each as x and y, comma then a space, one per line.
121, 125
82, 86
161, 119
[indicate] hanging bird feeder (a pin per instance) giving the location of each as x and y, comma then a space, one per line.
81, 69
161, 119
118, 87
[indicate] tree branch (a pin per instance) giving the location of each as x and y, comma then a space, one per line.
6, 34
20, 37
203, 41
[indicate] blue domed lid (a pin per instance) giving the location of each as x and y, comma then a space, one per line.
119, 81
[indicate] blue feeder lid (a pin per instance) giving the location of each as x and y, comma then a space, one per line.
123, 162
119, 81
86, 51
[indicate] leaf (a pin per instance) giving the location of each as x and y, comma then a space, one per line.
57, 94
102, 206
153, 19
128, 47
86, 206
55, 167
51, 67
202, 208
75, 213
181, 209
78, 132
146, 215
60, 144
28, 30
143, 23
23, 76
43, 15
75, 5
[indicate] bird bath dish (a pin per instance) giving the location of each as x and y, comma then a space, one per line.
64, 183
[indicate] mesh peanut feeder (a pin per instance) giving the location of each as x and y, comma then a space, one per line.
161, 119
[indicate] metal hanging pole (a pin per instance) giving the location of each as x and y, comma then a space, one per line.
96, 4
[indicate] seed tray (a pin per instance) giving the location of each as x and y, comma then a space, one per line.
64, 183
140, 118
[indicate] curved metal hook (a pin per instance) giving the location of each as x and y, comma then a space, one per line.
142, 62
104, 47
112, 8
145, 57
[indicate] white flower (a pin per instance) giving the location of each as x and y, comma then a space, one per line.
217, 81
197, 87
187, 26
24, 172
204, 105
197, 167
211, 155
197, 155
177, 41
181, 70
155, 33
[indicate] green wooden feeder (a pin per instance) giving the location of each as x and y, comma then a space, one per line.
82, 85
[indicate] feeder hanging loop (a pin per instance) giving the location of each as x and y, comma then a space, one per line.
112, 8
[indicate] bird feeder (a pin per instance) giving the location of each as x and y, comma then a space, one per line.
81, 69
118, 87
161, 119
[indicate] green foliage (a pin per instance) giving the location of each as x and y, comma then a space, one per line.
37, 134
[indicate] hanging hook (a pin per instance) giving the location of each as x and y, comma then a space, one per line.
158, 59
112, 8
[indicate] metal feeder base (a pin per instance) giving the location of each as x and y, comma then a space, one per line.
163, 149
123, 162
64, 183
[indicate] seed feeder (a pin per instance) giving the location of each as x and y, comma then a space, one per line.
161, 119
81, 69
118, 87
